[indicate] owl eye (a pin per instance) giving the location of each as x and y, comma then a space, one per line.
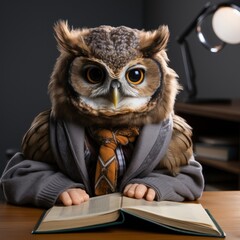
135, 76
94, 74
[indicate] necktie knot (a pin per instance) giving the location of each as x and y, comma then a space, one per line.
111, 138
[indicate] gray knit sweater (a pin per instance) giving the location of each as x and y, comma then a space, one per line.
25, 181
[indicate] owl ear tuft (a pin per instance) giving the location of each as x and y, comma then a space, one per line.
152, 42
70, 41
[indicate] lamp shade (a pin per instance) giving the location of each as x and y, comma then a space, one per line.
226, 24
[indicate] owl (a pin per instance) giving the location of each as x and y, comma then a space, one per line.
112, 77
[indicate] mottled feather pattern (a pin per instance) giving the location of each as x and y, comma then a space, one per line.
36, 144
115, 46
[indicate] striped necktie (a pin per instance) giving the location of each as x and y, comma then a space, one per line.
107, 164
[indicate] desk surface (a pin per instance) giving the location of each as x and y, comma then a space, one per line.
16, 223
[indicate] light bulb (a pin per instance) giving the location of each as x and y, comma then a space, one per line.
226, 24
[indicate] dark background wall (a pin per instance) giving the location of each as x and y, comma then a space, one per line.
28, 51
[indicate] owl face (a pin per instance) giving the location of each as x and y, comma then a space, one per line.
104, 92
112, 76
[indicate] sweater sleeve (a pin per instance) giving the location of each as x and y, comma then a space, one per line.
32, 182
188, 184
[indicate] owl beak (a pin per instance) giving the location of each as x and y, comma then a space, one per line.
115, 85
115, 97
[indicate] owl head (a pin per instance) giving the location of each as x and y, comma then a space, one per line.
112, 76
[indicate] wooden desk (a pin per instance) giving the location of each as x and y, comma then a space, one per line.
16, 222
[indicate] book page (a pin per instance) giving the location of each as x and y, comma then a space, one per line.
187, 212
94, 206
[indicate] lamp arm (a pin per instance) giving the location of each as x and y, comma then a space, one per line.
186, 55
192, 25
189, 69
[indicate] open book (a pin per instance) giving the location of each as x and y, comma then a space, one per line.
190, 218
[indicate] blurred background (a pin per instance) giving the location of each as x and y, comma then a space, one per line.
28, 52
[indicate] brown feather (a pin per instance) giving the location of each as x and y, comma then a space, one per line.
153, 42
36, 144
69, 41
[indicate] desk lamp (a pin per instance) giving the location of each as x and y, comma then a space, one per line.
226, 26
